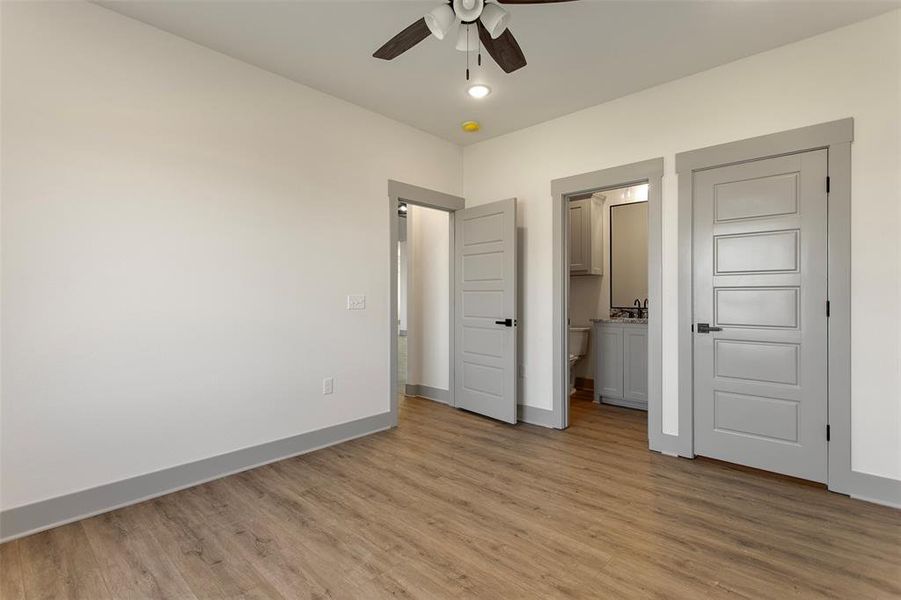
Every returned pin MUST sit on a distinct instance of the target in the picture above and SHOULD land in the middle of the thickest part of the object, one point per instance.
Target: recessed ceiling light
(479, 90)
(471, 126)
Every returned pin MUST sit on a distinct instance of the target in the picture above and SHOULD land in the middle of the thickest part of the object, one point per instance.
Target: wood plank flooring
(452, 505)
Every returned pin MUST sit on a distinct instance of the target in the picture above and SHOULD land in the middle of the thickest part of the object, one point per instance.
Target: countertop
(628, 320)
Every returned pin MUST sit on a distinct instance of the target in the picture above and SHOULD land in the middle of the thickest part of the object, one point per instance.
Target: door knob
(706, 328)
(505, 322)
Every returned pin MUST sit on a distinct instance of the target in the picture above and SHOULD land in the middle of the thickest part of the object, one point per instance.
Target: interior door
(760, 328)
(485, 309)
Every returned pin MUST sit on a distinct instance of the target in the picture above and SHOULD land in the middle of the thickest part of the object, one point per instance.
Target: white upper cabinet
(586, 237)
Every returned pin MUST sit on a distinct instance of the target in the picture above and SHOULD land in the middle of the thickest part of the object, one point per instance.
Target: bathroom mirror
(628, 254)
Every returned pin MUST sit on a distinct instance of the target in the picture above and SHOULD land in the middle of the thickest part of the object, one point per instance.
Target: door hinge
(828, 184)
(828, 309)
(828, 433)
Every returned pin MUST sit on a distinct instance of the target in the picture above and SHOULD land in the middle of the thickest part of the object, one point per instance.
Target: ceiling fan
(481, 23)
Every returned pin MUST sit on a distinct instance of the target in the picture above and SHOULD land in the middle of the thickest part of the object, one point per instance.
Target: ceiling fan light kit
(495, 19)
(467, 38)
(468, 10)
(482, 24)
(440, 20)
(479, 90)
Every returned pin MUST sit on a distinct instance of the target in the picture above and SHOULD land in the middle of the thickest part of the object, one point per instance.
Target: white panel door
(485, 309)
(760, 285)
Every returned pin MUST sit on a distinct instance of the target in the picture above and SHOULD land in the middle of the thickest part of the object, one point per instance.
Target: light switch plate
(356, 302)
(328, 385)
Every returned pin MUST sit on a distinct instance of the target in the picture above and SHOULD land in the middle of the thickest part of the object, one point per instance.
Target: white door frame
(836, 138)
(650, 172)
(418, 196)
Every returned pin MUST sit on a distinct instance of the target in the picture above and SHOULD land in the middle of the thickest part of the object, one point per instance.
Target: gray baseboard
(45, 514)
(625, 403)
(875, 489)
(427, 392)
(536, 416)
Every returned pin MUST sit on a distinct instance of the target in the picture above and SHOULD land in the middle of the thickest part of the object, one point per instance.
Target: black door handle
(505, 322)
(706, 328)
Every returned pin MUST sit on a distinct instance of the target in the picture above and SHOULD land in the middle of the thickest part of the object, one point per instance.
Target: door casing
(418, 196)
(650, 172)
(836, 138)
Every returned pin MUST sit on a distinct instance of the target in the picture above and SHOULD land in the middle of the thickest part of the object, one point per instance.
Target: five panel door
(485, 309)
(760, 396)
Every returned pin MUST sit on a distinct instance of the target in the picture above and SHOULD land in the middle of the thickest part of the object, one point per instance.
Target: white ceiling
(579, 53)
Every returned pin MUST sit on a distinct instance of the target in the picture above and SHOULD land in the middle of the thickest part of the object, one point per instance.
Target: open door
(485, 309)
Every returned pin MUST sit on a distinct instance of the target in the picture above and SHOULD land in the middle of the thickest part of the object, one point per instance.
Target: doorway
(424, 281)
(479, 291)
(608, 297)
(403, 285)
(404, 201)
(627, 184)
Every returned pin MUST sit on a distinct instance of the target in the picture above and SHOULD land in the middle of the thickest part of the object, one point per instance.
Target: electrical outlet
(356, 302)
(328, 386)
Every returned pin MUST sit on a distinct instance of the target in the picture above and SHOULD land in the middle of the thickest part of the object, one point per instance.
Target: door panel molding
(836, 137)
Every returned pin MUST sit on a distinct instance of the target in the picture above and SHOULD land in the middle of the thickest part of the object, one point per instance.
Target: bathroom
(608, 298)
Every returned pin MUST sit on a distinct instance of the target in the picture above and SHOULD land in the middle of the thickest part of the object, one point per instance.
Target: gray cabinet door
(485, 297)
(760, 274)
(609, 362)
(635, 364)
(579, 233)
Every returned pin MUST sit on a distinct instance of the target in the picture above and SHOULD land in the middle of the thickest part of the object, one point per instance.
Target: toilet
(578, 348)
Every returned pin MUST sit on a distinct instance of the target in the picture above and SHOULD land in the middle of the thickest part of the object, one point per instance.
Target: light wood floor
(451, 505)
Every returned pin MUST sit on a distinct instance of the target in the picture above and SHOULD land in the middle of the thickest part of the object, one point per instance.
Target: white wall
(850, 72)
(402, 286)
(402, 274)
(428, 301)
(179, 233)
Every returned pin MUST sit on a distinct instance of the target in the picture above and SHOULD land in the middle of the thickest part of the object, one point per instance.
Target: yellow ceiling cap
(471, 126)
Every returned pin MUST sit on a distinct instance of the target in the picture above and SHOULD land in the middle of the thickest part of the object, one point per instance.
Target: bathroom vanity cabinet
(621, 367)
(586, 237)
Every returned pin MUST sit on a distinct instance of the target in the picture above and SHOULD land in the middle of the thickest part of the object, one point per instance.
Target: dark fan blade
(532, 1)
(403, 41)
(504, 50)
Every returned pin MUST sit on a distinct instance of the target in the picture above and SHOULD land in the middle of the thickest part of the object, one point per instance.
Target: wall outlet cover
(356, 302)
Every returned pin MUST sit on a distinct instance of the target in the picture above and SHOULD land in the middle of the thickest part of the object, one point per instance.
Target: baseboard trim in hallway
(536, 416)
(45, 514)
(427, 392)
